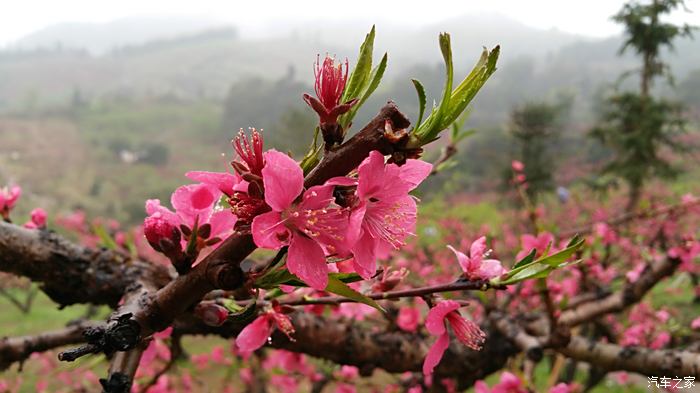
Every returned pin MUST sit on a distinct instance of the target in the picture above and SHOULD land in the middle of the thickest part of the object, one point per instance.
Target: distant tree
(293, 130)
(635, 126)
(535, 126)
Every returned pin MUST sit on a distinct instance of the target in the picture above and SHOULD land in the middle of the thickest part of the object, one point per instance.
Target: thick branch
(529, 344)
(645, 361)
(631, 293)
(70, 273)
(349, 342)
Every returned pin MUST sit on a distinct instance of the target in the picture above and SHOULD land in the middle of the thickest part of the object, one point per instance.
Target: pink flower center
(202, 198)
(250, 151)
(389, 221)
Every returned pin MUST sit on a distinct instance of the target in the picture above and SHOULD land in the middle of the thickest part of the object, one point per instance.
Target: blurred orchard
(334, 265)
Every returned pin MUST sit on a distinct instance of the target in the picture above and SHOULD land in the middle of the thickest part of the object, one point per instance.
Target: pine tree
(636, 126)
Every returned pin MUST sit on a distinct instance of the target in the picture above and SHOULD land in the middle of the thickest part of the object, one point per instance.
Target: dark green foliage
(637, 130)
(647, 35)
(635, 126)
(535, 127)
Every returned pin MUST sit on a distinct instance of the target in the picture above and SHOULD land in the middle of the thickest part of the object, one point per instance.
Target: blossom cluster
(361, 218)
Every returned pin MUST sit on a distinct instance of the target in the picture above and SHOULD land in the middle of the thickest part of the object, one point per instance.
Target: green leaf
(527, 269)
(558, 258)
(527, 259)
(340, 288)
(434, 123)
(274, 278)
(360, 74)
(463, 135)
(421, 99)
(574, 240)
(105, 239)
(374, 79)
(279, 277)
(466, 91)
(241, 315)
(454, 103)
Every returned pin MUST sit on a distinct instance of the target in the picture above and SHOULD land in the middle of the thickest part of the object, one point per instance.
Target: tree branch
(631, 293)
(18, 349)
(480, 285)
(645, 361)
(70, 273)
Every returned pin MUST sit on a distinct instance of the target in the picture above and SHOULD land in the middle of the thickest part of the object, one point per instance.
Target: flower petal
(269, 231)
(413, 172)
(255, 334)
(222, 223)
(435, 321)
(283, 179)
(478, 248)
(490, 268)
(224, 181)
(435, 353)
(194, 200)
(462, 259)
(317, 197)
(371, 175)
(364, 256)
(306, 261)
(466, 331)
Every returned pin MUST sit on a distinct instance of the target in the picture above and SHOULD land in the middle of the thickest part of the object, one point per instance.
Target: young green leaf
(359, 76)
(421, 99)
(105, 239)
(340, 288)
(374, 79)
(527, 259)
(527, 269)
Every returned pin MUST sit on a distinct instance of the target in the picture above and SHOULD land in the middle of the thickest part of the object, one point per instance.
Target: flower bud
(211, 313)
(159, 230)
(38, 219)
(517, 166)
(8, 199)
(390, 279)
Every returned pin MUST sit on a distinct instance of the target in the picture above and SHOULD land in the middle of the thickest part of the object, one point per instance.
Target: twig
(18, 349)
(626, 217)
(480, 285)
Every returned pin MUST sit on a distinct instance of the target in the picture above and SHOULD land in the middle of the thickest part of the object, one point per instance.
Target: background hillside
(137, 102)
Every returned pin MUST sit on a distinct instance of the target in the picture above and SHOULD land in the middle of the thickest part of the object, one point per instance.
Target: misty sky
(586, 17)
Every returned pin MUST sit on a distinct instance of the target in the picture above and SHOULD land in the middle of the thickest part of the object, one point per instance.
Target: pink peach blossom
(474, 266)
(408, 318)
(310, 228)
(256, 334)
(8, 199)
(466, 331)
(385, 214)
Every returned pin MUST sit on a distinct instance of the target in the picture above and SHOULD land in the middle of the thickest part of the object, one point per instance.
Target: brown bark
(352, 343)
(650, 362)
(631, 293)
(69, 273)
(18, 349)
